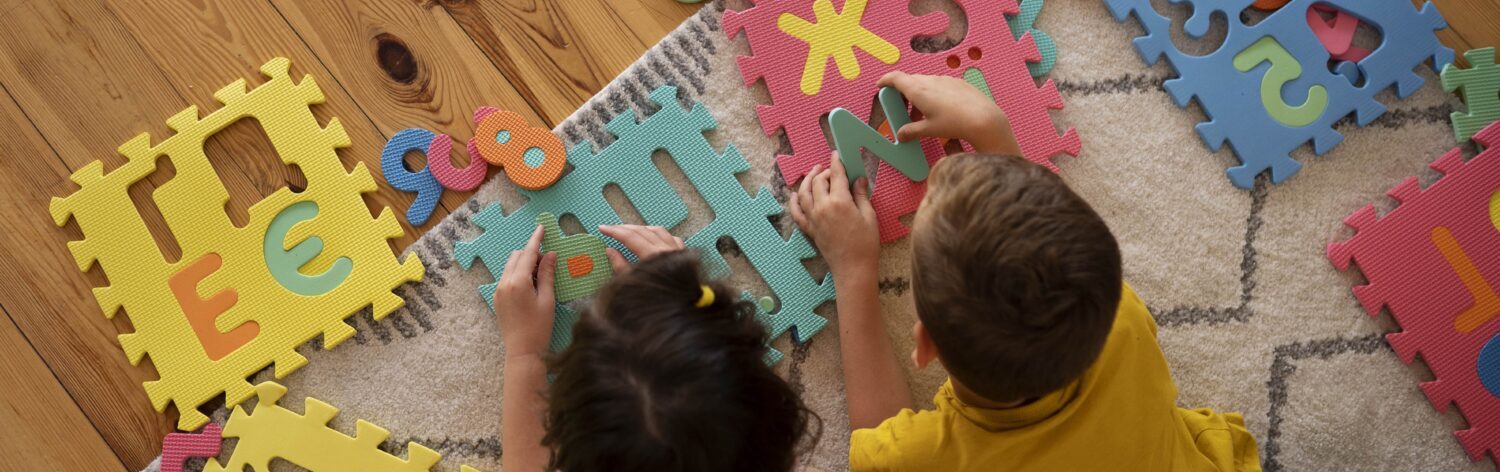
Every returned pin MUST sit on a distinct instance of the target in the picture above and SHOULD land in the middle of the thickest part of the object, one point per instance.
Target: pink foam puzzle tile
(988, 51)
(1434, 262)
(176, 448)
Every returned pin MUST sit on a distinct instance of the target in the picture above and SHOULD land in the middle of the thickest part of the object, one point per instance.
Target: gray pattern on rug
(1253, 317)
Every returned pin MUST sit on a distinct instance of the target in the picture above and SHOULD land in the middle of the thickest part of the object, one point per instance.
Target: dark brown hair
(1016, 278)
(653, 383)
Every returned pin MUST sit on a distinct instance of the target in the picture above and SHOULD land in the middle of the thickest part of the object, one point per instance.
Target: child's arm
(952, 108)
(842, 223)
(525, 312)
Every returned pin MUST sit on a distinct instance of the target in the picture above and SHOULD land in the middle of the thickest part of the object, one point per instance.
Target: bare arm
(525, 312)
(873, 382)
(842, 223)
(523, 406)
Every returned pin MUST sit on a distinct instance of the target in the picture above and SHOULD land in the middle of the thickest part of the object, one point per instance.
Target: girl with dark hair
(665, 372)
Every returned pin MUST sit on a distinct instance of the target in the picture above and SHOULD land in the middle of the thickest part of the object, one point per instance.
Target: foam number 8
(1284, 68)
(533, 158)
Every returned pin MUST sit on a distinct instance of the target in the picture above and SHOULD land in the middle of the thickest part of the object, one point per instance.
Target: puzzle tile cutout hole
(141, 195)
(1180, 10)
(249, 166)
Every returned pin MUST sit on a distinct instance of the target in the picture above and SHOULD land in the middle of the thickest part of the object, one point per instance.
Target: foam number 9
(533, 158)
(426, 186)
(1284, 68)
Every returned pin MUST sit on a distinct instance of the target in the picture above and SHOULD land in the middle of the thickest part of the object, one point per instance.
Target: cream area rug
(1253, 317)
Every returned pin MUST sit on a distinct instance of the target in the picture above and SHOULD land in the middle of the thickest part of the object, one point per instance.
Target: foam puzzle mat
(1434, 262)
(275, 432)
(864, 41)
(1284, 63)
(239, 298)
(627, 163)
(176, 448)
(1480, 87)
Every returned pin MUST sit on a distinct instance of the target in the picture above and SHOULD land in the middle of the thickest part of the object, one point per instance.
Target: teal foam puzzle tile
(627, 163)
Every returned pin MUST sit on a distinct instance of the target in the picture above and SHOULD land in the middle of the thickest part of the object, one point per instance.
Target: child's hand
(839, 220)
(526, 310)
(645, 241)
(953, 109)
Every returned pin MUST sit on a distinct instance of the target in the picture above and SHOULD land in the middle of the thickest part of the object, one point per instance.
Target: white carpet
(1254, 318)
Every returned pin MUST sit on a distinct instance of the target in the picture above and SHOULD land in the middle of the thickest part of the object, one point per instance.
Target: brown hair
(1016, 278)
(653, 383)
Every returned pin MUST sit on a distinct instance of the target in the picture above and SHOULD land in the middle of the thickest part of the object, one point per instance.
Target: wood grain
(1471, 24)
(557, 52)
(78, 78)
(201, 46)
(58, 434)
(408, 66)
(84, 86)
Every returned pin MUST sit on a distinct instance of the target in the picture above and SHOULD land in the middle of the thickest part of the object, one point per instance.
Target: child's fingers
(820, 184)
(632, 238)
(532, 252)
(640, 240)
(795, 207)
(915, 130)
(895, 79)
(839, 177)
(624, 234)
(616, 260)
(665, 239)
(611, 231)
(862, 198)
(805, 189)
(862, 191)
(544, 276)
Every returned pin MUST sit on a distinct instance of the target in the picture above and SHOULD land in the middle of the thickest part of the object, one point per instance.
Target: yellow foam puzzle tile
(326, 259)
(273, 432)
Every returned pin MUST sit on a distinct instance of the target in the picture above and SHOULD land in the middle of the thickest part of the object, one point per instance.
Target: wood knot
(395, 58)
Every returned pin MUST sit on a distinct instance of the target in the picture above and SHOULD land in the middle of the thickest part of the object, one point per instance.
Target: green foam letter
(1284, 68)
(850, 134)
(284, 263)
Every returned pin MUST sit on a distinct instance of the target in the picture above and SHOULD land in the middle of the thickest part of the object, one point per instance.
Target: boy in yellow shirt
(1052, 358)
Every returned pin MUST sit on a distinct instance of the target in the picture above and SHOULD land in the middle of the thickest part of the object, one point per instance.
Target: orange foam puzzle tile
(330, 261)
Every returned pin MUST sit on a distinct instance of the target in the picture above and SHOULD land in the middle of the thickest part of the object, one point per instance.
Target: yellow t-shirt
(1121, 415)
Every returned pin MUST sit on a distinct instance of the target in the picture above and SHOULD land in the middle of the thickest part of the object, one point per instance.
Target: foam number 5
(285, 264)
(422, 182)
(533, 158)
(1284, 68)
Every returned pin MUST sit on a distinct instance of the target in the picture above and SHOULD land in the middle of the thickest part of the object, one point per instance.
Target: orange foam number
(533, 158)
(1486, 302)
(202, 312)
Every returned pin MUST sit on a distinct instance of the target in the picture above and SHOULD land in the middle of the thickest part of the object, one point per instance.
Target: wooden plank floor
(78, 78)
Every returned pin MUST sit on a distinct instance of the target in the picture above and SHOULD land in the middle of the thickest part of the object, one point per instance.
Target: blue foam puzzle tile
(1232, 99)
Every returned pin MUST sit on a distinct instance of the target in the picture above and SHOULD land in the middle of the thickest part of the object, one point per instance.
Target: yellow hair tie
(707, 298)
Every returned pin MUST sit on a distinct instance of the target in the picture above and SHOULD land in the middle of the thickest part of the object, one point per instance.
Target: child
(1052, 359)
(666, 371)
